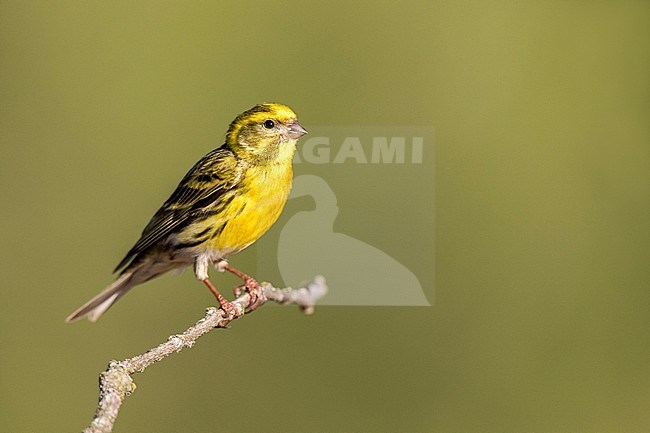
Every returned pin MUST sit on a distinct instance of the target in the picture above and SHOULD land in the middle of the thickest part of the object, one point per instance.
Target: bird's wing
(217, 172)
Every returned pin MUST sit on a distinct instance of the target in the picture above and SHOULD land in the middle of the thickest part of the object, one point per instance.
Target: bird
(224, 203)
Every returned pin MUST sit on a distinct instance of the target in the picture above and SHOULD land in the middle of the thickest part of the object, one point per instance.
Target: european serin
(227, 201)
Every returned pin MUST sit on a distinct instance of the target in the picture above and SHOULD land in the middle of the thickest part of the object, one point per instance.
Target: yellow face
(266, 132)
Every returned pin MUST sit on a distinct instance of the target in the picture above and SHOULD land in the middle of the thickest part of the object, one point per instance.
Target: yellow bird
(227, 201)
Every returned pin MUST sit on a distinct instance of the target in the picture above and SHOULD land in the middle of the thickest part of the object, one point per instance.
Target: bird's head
(266, 132)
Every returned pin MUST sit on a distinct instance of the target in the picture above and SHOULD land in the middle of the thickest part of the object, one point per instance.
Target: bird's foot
(254, 290)
(250, 285)
(228, 307)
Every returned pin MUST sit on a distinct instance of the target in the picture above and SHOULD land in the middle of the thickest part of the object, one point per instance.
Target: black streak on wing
(186, 204)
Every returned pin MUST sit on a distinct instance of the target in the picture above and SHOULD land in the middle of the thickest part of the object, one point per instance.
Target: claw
(253, 288)
(250, 285)
(239, 290)
(228, 307)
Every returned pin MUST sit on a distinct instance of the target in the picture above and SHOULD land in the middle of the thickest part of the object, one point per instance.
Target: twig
(116, 382)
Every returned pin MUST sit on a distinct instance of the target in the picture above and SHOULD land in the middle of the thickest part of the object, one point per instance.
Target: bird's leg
(201, 272)
(250, 285)
(226, 306)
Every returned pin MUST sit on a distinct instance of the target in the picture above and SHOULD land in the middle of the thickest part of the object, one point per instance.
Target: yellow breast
(255, 206)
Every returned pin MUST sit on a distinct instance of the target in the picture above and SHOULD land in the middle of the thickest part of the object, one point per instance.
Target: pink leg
(228, 307)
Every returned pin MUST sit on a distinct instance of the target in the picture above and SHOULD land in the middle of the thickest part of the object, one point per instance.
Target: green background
(541, 111)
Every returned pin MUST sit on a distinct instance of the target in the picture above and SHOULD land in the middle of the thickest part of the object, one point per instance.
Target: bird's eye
(269, 124)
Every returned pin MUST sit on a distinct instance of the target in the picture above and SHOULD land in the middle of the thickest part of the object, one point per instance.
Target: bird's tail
(102, 302)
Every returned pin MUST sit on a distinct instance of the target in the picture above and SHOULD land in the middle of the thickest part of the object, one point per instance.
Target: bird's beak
(295, 130)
